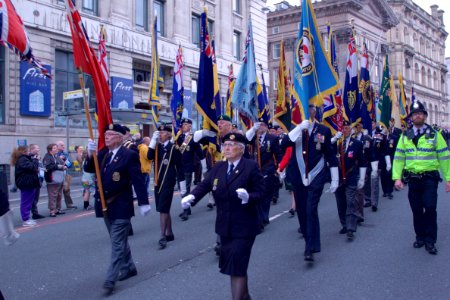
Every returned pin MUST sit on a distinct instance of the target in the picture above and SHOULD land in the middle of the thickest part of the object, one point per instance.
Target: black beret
(224, 118)
(126, 128)
(235, 137)
(117, 128)
(165, 127)
(263, 120)
(186, 120)
(276, 127)
(234, 125)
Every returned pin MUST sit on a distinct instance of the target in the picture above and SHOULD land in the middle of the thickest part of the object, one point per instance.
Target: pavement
(67, 257)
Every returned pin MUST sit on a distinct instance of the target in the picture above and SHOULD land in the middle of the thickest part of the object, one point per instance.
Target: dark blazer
(26, 173)
(233, 218)
(379, 150)
(393, 137)
(319, 145)
(270, 153)
(353, 160)
(51, 163)
(172, 163)
(189, 152)
(117, 179)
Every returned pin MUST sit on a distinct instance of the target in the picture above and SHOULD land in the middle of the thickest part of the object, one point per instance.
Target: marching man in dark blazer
(269, 156)
(237, 186)
(353, 179)
(120, 169)
(189, 150)
(308, 173)
(169, 168)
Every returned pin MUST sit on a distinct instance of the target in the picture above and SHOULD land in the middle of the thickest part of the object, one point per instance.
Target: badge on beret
(111, 126)
(232, 137)
(116, 176)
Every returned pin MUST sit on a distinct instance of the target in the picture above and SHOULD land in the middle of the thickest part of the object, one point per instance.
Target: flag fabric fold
(403, 106)
(217, 99)
(351, 102)
(244, 93)
(102, 54)
(365, 95)
(263, 102)
(156, 80)
(14, 35)
(385, 103)
(86, 61)
(229, 107)
(176, 104)
(314, 77)
(282, 113)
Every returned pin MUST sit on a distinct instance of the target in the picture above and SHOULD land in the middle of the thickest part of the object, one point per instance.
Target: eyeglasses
(229, 144)
(111, 134)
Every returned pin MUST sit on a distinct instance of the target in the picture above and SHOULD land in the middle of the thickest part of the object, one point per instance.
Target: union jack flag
(14, 36)
(102, 55)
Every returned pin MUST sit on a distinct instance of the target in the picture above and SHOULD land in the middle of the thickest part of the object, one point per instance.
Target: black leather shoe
(367, 204)
(184, 216)
(162, 243)
(170, 238)
(217, 249)
(127, 275)
(108, 287)
(384, 195)
(37, 216)
(59, 212)
(188, 211)
(418, 244)
(390, 196)
(374, 208)
(431, 248)
(292, 212)
(343, 230)
(210, 206)
(350, 235)
(360, 220)
(309, 256)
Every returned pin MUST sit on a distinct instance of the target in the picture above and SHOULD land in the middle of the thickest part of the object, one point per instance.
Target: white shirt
(416, 129)
(234, 165)
(114, 152)
(311, 127)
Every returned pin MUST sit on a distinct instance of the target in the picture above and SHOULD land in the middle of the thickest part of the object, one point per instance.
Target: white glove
(199, 134)
(145, 209)
(154, 140)
(336, 137)
(362, 177)
(204, 167)
(334, 179)
(186, 201)
(365, 132)
(282, 176)
(183, 187)
(374, 173)
(252, 131)
(387, 158)
(296, 133)
(91, 147)
(243, 195)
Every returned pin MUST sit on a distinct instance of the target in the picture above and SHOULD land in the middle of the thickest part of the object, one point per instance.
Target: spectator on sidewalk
(27, 180)
(34, 152)
(7, 231)
(144, 159)
(78, 162)
(54, 166)
(64, 156)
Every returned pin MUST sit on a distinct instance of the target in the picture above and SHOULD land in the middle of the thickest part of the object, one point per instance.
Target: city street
(66, 257)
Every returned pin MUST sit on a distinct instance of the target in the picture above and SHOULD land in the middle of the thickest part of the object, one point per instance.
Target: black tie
(230, 172)
(108, 159)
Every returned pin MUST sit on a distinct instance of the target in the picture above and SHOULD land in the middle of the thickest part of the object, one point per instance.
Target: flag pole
(91, 135)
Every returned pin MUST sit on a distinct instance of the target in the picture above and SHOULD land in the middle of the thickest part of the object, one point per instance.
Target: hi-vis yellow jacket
(430, 154)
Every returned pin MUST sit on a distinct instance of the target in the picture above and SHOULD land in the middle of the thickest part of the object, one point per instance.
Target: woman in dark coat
(27, 180)
(237, 186)
(53, 163)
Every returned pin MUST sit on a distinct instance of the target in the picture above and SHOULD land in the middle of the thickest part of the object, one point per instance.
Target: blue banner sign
(35, 91)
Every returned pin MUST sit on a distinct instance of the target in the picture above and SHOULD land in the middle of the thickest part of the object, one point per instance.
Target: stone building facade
(398, 28)
(128, 26)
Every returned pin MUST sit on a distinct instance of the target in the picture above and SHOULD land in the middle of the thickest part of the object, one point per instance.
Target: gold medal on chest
(116, 176)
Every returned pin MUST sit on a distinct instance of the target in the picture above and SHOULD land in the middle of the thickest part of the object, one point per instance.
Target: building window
(158, 8)
(90, 6)
(275, 29)
(196, 22)
(141, 14)
(141, 72)
(237, 6)
(237, 45)
(2, 85)
(276, 50)
(275, 80)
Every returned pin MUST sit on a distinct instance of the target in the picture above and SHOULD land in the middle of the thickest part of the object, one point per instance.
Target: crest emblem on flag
(304, 52)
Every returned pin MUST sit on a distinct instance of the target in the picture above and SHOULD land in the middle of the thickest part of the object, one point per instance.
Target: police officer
(307, 171)
(120, 170)
(189, 150)
(266, 151)
(420, 152)
(352, 178)
(168, 166)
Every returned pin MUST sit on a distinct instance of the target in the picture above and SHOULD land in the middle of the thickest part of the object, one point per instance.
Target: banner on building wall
(122, 92)
(35, 91)
(187, 104)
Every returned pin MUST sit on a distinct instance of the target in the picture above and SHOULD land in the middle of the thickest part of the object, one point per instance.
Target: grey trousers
(121, 260)
(347, 206)
(375, 182)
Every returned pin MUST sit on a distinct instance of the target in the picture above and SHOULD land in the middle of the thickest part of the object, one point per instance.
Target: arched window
(407, 71)
(422, 46)
(436, 115)
(417, 73)
(430, 114)
(435, 81)
(429, 79)
(406, 35)
(424, 76)
(428, 50)
(416, 42)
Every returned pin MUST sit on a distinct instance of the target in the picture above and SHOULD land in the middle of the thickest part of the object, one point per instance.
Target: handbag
(57, 176)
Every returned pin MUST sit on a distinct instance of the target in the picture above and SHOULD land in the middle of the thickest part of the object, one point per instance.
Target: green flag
(385, 103)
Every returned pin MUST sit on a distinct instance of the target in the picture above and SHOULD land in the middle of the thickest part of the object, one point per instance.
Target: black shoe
(184, 216)
(431, 248)
(170, 238)
(131, 232)
(390, 196)
(13, 190)
(210, 206)
(418, 244)
(217, 249)
(374, 208)
(37, 216)
(162, 243)
(360, 220)
(266, 222)
(350, 235)
(343, 230)
(127, 275)
(188, 211)
(309, 256)
(59, 212)
(108, 287)
(274, 201)
(292, 212)
(384, 195)
(72, 207)
(367, 204)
